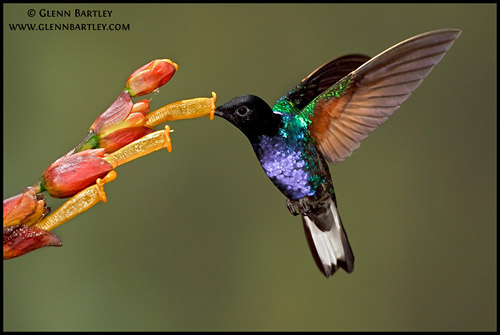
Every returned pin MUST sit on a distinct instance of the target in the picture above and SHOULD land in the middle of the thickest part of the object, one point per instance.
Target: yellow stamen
(81, 202)
(184, 109)
(143, 146)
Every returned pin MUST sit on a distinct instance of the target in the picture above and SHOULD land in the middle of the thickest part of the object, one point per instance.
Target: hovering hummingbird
(323, 119)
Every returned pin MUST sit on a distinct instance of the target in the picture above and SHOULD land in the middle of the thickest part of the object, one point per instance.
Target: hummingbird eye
(242, 111)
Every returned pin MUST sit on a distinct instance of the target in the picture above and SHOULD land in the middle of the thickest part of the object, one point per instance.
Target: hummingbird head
(251, 115)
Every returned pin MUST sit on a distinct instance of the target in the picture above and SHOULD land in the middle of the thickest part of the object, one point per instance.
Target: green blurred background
(199, 239)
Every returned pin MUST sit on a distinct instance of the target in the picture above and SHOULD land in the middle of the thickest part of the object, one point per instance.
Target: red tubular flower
(71, 174)
(150, 77)
(120, 138)
(122, 123)
(19, 240)
(27, 208)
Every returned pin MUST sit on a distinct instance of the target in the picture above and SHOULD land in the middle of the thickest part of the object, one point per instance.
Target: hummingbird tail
(328, 241)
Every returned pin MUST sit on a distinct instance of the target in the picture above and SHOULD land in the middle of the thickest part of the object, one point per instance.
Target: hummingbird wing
(322, 78)
(344, 114)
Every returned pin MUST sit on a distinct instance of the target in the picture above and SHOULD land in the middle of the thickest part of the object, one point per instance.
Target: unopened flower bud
(150, 77)
(71, 174)
(116, 113)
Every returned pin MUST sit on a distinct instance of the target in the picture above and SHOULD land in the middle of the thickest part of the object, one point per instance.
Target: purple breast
(285, 166)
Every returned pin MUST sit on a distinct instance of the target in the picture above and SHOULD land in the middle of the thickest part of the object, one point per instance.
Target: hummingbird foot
(301, 206)
(291, 207)
(304, 206)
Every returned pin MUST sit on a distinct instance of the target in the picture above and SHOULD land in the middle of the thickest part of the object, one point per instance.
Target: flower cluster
(122, 123)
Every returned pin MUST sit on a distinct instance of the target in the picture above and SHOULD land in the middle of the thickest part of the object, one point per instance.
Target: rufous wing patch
(325, 112)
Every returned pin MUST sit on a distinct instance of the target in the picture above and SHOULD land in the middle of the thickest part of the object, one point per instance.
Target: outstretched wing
(318, 81)
(344, 114)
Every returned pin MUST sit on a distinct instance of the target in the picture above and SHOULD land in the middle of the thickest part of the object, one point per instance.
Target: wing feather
(321, 79)
(344, 114)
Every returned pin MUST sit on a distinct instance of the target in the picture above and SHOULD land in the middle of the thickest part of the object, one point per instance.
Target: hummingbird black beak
(218, 112)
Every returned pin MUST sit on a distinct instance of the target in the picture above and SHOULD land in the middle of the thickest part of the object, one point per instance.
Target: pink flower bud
(71, 174)
(27, 208)
(150, 77)
(122, 123)
(120, 138)
(19, 240)
(116, 113)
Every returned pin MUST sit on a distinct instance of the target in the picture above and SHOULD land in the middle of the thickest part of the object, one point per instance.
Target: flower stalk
(122, 133)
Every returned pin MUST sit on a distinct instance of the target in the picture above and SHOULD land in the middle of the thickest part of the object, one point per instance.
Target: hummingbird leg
(301, 206)
(304, 206)
(310, 206)
(291, 207)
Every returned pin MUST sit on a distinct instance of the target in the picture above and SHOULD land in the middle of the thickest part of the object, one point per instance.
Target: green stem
(91, 141)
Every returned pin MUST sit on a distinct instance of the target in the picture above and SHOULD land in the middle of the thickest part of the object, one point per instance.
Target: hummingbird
(323, 120)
